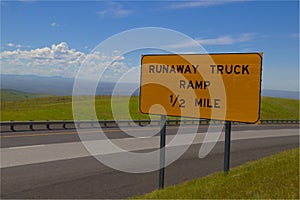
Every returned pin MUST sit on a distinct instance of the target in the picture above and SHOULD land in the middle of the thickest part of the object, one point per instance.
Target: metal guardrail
(279, 121)
(59, 125)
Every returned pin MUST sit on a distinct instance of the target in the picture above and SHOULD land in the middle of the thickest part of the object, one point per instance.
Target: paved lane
(85, 177)
(22, 155)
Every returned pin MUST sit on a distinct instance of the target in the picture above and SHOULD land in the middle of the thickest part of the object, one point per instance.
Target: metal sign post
(185, 82)
(162, 151)
(227, 146)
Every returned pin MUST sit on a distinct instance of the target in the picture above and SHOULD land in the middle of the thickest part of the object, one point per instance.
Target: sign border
(260, 81)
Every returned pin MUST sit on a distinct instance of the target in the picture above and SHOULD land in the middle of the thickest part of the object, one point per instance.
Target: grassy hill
(279, 108)
(274, 177)
(12, 95)
(60, 108)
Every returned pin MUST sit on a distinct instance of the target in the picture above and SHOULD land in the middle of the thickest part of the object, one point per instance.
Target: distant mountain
(281, 94)
(64, 86)
(38, 84)
(58, 85)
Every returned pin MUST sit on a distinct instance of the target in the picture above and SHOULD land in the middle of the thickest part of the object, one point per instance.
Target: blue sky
(31, 31)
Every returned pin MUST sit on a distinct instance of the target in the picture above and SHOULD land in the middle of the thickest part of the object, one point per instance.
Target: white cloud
(10, 44)
(58, 60)
(54, 24)
(14, 45)
(28, 1)
(295, 35)
(114, 10)
(222, 40)
(202, 3)
(226, 39)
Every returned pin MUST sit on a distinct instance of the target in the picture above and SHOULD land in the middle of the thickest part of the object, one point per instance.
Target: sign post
(227, 146)
(162, 151)
(209, 86)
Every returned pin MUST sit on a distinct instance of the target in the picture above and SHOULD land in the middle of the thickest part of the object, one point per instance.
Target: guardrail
(279, 121)
(59, 125)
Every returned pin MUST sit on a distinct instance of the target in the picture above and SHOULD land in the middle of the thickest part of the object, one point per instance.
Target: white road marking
(24, 147)
(22, 155)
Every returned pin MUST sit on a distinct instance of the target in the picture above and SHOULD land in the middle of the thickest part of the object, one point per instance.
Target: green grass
(274, 177)
(60, 108)
(279, 108)
(12, 95)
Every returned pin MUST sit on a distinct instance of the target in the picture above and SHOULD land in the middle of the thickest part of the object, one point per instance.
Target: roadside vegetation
(12, 95)
(274, 177)
(60, 108)
(19, 106)
(279, 108)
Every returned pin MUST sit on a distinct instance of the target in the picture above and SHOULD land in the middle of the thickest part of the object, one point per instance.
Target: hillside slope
(60, 108)
(279, 108)
(12, 95)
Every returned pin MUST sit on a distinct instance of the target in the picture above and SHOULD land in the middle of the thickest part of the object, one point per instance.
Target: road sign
(210, 86)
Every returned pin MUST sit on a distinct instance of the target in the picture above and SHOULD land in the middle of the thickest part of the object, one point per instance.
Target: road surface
(56, 165)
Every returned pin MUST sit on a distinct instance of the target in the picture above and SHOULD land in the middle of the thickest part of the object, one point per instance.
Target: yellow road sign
(209, 86)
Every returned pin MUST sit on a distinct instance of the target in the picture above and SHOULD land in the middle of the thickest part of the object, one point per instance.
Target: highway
(54, 164)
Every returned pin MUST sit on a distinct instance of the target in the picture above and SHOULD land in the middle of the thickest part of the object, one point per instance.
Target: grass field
(274, 177)
(11, 95)
(60, 108)
(279, 108)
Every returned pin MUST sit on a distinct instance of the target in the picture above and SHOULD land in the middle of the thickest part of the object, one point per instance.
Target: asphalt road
(85, 177)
